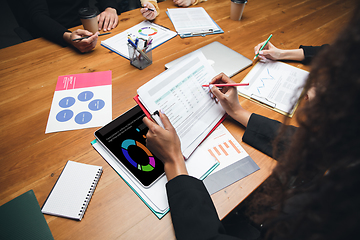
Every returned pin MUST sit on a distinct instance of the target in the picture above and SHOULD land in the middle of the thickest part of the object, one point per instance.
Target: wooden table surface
(31, 159)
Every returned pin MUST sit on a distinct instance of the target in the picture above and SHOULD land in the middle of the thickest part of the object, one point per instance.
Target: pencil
(102, 34)
(262, 47)
(227, 85)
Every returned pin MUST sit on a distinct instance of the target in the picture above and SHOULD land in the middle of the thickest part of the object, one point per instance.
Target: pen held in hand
(227, 85)
(262, 47)
(102, 34)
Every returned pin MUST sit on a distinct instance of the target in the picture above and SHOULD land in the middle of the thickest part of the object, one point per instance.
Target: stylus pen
(90, 36)
(262, 47)
(150, 9)
(227, 85)
(156, 117)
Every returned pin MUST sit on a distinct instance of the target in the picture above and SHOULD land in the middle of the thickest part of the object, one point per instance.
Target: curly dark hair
(317, 181)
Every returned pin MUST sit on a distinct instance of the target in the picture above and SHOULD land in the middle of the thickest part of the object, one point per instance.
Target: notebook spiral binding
(90, 193)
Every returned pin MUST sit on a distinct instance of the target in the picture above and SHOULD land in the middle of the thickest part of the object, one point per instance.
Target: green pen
(262, 47)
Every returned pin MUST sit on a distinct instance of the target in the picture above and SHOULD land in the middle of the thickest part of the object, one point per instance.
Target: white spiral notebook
(73, 190)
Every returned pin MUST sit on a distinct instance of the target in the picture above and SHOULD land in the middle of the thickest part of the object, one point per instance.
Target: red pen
(227, 85)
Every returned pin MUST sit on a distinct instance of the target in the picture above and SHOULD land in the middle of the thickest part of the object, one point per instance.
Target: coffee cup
(236, 9)
(88, 17)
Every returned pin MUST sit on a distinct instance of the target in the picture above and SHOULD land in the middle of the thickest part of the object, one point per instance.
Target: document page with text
(275, 84)
(178, 92)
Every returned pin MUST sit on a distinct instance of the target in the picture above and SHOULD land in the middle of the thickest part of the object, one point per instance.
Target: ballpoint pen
(102, 34)
(227, 84)
(262, 47)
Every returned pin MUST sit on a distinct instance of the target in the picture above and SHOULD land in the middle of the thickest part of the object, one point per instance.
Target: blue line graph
(263, 79)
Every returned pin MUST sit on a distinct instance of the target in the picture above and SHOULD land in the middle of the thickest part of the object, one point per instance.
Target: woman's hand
(84, 45)
(273, 53)
(148, 14)
(164, 143)
(229, 100)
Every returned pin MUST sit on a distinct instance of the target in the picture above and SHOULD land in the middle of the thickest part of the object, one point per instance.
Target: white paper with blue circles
(81, 101)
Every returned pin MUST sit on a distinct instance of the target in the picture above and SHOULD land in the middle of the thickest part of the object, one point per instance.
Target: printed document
(195, 21)
(275, 84)
(178, 92)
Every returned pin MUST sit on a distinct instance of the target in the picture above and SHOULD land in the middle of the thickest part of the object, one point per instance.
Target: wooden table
(31, 159)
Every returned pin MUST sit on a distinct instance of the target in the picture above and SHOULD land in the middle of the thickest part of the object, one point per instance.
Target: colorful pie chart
(130, 142)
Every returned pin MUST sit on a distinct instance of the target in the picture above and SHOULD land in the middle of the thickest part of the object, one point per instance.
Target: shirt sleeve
(103, 4)
(192, 211)
(261, 132)
(310, 52)
(45, 26)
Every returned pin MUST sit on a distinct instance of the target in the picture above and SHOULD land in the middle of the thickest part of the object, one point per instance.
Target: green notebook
(21, 218)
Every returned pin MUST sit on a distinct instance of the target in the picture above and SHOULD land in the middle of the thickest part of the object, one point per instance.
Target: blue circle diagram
(64, 115)
(83, 117)
(85, 96)
(96, 105)
(67, 102)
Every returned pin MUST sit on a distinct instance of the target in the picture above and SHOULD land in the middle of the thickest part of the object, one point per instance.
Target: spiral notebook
(73, 190)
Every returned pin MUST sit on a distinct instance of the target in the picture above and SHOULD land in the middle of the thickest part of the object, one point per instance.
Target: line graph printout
(189, 107)
(275, 84)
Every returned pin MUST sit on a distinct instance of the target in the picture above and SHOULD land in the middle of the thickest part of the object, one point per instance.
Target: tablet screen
(124, 138)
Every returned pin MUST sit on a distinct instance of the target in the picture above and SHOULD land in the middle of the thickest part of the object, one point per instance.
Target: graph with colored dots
(81, 101)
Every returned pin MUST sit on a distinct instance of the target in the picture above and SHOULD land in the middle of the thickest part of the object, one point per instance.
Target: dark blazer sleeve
(43, 24)
(192, 211)
(261, 132)
(310, 52)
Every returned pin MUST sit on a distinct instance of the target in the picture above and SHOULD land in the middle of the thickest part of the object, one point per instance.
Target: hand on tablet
(164, 143)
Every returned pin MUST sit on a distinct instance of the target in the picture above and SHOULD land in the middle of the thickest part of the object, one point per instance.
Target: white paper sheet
(178, 92)
(274, 83)
(145, 30)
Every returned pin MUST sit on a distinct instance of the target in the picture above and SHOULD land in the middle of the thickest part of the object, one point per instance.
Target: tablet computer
(125, 139)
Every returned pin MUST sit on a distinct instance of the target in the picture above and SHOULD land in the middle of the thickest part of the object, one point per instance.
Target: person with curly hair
(313, 192)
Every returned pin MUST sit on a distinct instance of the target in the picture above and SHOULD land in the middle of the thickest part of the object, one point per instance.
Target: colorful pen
(262, 47)
(139, 50)
(102, 34)
(227, 85)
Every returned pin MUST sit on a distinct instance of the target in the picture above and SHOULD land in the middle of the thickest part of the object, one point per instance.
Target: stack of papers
(178, 92)
(190, 22)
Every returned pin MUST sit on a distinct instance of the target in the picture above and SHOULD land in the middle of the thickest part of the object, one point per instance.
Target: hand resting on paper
(273, 53)
(165, 144)
(84, 45)
(229, 99)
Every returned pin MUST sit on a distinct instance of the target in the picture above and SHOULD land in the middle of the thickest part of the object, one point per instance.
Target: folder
(202, 26)
(21, 218)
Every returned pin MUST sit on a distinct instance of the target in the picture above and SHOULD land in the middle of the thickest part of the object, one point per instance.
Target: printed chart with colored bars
(224, 148)
(81, 101)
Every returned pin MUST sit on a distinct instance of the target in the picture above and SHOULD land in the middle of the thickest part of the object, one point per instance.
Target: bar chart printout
(224, 148)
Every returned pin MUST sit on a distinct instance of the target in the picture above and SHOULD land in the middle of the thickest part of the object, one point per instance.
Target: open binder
(191, 22)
